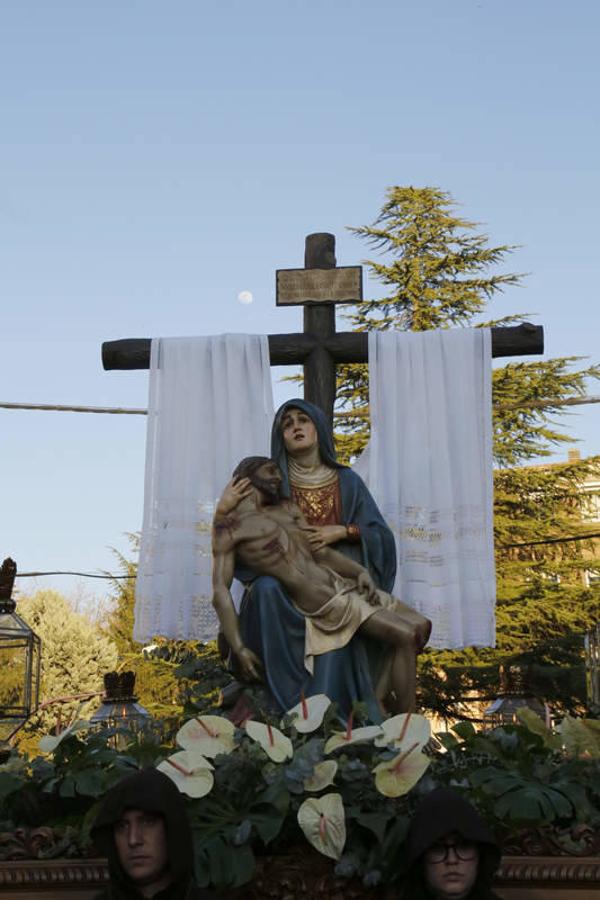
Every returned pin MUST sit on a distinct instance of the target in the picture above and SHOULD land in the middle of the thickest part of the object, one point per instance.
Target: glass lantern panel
(592, 664)
(14, 670)
(9, 725)
(12, 626)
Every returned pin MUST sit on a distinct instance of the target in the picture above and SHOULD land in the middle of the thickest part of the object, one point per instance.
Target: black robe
(151, 791)
(440, 813)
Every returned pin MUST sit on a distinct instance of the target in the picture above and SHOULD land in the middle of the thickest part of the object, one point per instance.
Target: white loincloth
(339, 618)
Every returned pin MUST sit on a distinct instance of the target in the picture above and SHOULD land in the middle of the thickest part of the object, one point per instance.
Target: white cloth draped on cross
(428, 465)
(210, 405)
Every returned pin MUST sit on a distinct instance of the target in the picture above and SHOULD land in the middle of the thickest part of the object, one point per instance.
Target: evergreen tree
(439, 274)
(167, 671)
(75, 656)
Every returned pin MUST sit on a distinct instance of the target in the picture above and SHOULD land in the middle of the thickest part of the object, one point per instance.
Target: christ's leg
(420, 624)
(387, 626)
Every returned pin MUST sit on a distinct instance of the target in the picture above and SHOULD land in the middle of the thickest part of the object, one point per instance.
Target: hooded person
(341, 513)
(143, 829)
(451, 852)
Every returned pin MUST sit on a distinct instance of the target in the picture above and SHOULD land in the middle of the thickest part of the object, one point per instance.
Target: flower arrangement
(272, 788)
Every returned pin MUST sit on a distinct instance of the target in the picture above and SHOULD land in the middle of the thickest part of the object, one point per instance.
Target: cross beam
(319, 348)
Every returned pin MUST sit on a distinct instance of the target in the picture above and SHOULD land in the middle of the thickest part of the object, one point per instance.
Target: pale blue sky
(158, 158)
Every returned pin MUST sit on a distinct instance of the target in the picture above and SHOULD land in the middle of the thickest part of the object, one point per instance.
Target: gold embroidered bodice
(319, 505)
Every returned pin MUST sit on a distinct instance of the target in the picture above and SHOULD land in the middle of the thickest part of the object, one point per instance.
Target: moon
(245, 297)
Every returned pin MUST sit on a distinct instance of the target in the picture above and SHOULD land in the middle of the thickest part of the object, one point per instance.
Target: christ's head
(263, 474)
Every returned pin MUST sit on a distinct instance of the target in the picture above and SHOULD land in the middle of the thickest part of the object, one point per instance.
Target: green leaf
(9, 784)
(90, 782)
(223, 866)
(533, 803)
(447, 740)
(67, 787)
(464, 730)
(376, 822)
(537, 726)
(268, 822)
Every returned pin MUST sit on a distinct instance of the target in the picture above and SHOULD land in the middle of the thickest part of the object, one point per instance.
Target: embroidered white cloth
(210, 405)
(429, 467)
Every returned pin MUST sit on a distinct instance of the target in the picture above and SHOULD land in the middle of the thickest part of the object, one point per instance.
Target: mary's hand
(235, 491)
(320, 536)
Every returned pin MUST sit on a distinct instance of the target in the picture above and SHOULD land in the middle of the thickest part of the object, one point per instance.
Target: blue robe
(273, 628)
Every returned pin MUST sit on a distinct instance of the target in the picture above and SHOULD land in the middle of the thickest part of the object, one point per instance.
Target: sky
(157, 159)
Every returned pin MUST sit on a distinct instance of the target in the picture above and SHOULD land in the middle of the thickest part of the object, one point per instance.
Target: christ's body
(271, 537)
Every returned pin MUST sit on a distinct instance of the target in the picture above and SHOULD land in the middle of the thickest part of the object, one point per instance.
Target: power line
(363, 413)
(81, 574)
(555, 540)
(56, 407)
(357, 413)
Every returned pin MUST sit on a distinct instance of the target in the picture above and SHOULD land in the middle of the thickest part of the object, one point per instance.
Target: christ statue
(270, 536)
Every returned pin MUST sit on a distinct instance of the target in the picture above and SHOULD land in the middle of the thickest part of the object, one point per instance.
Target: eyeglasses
(463, 850)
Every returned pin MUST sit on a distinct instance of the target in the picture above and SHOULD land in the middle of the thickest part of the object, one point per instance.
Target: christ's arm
(335, 560)
(348, 568)
(223, 565)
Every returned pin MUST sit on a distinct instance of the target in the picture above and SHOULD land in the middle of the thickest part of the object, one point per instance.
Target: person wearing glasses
(451, 852)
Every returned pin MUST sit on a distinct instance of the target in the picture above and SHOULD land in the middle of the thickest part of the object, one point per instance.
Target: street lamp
(119, 708)
(592, 665)
(20, 657)
(514, 695)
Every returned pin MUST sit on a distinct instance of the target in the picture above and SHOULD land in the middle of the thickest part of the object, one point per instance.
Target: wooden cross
(319, 348)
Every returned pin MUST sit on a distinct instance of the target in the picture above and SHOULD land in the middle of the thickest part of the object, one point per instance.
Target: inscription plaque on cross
(320, 348)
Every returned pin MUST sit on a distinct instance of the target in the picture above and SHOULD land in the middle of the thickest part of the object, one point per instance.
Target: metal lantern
(20, 656)
(592, 665)
(514, 695)
(119, 708)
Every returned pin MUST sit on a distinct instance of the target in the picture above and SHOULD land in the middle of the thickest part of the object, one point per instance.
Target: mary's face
(298, 430)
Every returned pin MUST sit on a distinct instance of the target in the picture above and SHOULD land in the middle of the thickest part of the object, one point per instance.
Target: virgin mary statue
(341, 512)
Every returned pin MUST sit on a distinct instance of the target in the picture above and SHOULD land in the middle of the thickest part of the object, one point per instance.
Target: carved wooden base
(52, 879)
(306, 877)
(538, 877)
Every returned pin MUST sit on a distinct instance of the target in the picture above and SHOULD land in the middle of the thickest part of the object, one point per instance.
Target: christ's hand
(250, 664)
(235, 491)
(366, 585)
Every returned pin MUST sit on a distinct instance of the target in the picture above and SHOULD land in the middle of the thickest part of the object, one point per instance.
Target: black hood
(441, 812)
(151, 791)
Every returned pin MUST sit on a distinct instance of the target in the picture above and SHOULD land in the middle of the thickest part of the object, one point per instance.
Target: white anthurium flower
(322, 776)
(276, 745)
(190, 771)
(403, 731)
(351, 736)
(208, 735)
(323, 822)
(308, 714)
(50, 742)
(397, 776)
